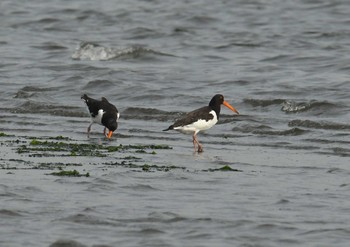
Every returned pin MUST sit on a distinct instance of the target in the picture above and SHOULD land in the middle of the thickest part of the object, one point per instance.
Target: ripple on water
(47, 108)
(88, 219)
(268, 131)
(326, 125)
(96, 84)
(141, 187)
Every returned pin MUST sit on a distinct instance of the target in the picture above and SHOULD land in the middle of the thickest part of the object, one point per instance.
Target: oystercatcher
(103, 113)
(201, 119)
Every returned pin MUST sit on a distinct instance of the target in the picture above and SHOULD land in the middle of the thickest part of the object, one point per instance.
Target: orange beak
(230, 107)
(110, 134)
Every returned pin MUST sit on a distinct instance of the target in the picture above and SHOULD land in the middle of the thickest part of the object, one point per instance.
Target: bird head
(218, 99)
(111, 125)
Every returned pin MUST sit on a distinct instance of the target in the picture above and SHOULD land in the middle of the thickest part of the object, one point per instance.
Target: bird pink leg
(195, 140)
(88, 130)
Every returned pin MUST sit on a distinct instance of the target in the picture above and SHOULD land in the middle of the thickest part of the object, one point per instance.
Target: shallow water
(284, 66)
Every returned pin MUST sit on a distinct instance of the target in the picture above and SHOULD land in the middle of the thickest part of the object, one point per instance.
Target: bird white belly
(199, 125)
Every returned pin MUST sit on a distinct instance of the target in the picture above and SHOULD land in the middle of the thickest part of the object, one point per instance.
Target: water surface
(283, 65)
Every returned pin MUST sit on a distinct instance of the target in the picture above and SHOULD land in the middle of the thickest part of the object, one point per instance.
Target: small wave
(148, 113)
(247, 128)
(268, 131)
(318, 125)
(290, 106)
(141, 187)
(202, 19)
(92, 51)
(151, 231)
(249, 44)
(283, 201)
(165, 217)
(263, 102)
(36, 89)
(88, 219)
(143, 111)
(294, 107)
(50, 46)
(55, 110)
(277, 58)
(30, 91)
(66, 243)
(232, 82)
(344, 152)
(139, 33)
(10, 213)
(98, 84)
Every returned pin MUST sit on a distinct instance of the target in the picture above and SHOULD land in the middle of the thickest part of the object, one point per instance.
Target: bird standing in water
(102, 112)
(201, 119)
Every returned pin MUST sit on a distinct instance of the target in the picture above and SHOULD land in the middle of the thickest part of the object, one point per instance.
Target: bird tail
(171, 127)
(84, 97)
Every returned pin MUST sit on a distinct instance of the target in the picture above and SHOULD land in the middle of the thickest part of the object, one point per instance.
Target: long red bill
(230, 107)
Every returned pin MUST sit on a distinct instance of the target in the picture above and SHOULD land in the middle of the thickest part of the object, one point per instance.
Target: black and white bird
(102, 112)
(201, 119)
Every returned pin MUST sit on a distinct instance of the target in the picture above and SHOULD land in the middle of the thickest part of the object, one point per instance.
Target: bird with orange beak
(102, 112)
(201, 119)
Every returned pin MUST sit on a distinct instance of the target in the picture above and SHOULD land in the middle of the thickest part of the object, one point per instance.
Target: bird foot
(195, 141)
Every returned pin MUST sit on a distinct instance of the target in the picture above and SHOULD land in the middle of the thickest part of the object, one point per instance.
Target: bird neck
(216, 108)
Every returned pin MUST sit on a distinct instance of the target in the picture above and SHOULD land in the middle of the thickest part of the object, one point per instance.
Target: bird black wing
(93, 105)
(106, 106)
(202, 113)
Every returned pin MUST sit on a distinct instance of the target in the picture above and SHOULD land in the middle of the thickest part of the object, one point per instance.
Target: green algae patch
(51, 166)
(62, 146)
(115, 148)
(138, 148)
(145, 167)
(35, 142)
(225, 168)
(141, 149)
(60, 138)
(159, 146)
(73, 173)
(46, 152)
(2, 134)
(71, 149)
(149, 168)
